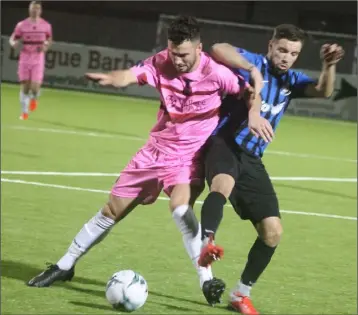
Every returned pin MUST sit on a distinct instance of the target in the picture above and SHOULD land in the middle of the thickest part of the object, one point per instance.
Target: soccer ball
(127, 290)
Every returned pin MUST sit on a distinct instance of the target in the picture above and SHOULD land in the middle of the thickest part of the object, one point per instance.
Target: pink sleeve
(49, 31)
(18, 32)
(231, 83)
(146, 72)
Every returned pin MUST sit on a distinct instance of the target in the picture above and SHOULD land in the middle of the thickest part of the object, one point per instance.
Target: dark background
(133, 24)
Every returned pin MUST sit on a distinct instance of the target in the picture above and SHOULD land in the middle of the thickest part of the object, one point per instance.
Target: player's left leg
(23, 73)
(37, 74)
(184, 184)
(221, 170)
(254, 199)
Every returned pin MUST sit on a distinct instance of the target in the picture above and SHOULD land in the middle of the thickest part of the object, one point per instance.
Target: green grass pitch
(314, 270)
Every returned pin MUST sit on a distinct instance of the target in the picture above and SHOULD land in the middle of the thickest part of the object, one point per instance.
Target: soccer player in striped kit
(233, 163)
(36, 36)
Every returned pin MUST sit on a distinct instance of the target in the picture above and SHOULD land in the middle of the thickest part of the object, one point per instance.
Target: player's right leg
(91, 234)
(24, 78)
(37, 75)
(220, 171)
(254, 199)
(136, 184)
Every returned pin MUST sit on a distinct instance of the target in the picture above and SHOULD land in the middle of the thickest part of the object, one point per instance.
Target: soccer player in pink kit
(36, 36)
(191, 85)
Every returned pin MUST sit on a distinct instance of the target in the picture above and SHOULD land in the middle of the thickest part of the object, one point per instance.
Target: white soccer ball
(127, 290)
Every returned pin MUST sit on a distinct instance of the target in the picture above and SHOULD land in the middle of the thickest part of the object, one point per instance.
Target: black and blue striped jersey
(278, 91)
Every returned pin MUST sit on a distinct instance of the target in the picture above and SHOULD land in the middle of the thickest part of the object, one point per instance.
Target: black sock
(212, 213)
(259, 257)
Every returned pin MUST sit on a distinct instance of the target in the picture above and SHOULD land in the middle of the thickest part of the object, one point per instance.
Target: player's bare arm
(13, 42)
(330, 56)
(47, 44)
(118, 78)
(227, 55)
(258, 125)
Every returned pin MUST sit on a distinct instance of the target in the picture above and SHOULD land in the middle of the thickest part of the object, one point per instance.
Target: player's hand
(257, 81)
(331, 54)
(260, 127)
(101, 78)
(44, 47)
(14, 44)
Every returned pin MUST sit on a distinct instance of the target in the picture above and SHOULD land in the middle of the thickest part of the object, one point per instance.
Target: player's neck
(34, 20)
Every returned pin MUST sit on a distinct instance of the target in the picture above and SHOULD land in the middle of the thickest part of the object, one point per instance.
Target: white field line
(134, 138)
(87, 174)
(18, 181)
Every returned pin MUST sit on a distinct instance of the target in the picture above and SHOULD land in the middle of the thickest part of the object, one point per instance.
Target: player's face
(283, 53)
(185, 55)
(35, 10)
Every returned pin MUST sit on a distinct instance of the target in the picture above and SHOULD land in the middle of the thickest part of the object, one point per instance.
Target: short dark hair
(183, 28)
(36, 2)
(289, 32)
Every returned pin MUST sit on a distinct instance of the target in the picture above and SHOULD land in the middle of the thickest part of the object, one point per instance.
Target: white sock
(192, 243)
(91, 233)
(243, 289)
(24, 101)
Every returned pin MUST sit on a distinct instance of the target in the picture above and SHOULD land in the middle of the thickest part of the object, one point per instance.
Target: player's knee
(35, 88)
(109, 211)
(25, 87)
(114, 209)
(223, 184)
(179, 196)
(271, 231)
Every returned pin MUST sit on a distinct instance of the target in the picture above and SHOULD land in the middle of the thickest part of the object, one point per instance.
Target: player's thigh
(184, 183)
(24, 74)
(221, 165)
(139, 179)
(253, 196)
(37, 75)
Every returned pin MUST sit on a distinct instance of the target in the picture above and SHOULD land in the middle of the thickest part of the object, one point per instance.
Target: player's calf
(93, 232)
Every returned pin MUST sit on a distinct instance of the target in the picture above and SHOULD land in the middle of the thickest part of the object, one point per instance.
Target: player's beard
(275, 69)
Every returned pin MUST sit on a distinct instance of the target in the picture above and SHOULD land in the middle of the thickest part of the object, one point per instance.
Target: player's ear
(200, 47)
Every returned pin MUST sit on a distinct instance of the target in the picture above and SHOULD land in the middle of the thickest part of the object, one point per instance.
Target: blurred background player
(36, 36)
(191, 85)
(234, 168)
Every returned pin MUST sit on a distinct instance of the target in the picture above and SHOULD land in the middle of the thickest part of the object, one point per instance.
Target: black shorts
(253, 196)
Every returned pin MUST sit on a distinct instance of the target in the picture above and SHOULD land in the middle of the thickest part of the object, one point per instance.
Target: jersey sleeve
(299, 84)
(230, 83)
(49, 31)
(18, 31)
(249, 56)
(146, 72)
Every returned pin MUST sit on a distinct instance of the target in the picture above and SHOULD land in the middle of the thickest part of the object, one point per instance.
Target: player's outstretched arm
(229, 56)
(330, 56)
(118, 78)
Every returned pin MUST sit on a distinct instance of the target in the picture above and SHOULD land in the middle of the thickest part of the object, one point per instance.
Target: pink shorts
(150, 171)
(31, 72)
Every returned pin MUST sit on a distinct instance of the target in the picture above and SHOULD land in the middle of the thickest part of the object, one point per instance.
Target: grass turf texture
(312, 272)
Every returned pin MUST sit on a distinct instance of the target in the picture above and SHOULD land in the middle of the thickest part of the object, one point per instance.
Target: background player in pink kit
(36, 36)
(191, 85)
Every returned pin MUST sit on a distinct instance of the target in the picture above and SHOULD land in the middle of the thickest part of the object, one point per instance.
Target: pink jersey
(190, 102)
(33, 35)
